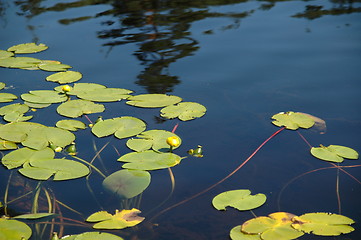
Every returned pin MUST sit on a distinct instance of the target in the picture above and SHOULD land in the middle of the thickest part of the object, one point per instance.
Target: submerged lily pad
(44, 96)
(293, 120)
(65, 77)
(71, 125)
(7, 97)
(275, 226)
(121, 127)
(334, 153)
(14, 229)
(153, 100)
(149, 160)
(239, 199)
(120, 220)
(28, 48)
(155, 139)
(127, 183)
(105, 94)
(61, 169)
(184, 111)
(323, 224)
(24, 155)
(76, 108)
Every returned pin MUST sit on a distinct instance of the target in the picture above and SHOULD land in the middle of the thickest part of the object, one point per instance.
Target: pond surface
(245, 61)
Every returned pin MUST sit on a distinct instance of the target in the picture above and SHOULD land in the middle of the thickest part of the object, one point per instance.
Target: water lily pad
(153, 100)
(127, 183)
(28, 48)
(7, 145)
(76, 108)
(323, 224)
(17, 131)
(239, 199)
(237, 234)
(65, 77)
(293, 120)
(24, 155)
(44, 96)
(33, 215)
(334, 153)
(121, 127)
(275, 226)
(184, 111)
(120, 220)
(105, 94)
(7, 97)
(20, 62)
(155, 139)
(149, 160)
(61, 169)
(53, 66)
(2, 85)
(37, 105)
(5, 54)
(92, 236)
(80, 88)
(15, 112)
(71, 125)
(14, 229)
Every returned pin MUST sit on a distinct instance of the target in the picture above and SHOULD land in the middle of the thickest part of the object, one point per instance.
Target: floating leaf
(276, 226)
(14, 229)
(293, 120)
(14, 112)
(62, 169)
(71, 125)
(53, 66)
(76, 108)
(2, 85)
(120, 220)
(17, 132)
(239, 199)
(127, 183)
(7, 97)
(7, 145)
(237, 234)
(121, 127)
(184, 111)
(28, 48)
(92, 236)
(80, 88)
(153, 100)
(105, 94)
(334, 153)
(22, 156)
(37, 105)
(155, 139)
(34, 215)
(149, 160)
(324, 224)
(20, 62)
(65, 77)
(5, 54)
(44, 96)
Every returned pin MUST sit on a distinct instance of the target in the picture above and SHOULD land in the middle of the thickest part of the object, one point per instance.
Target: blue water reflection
(243, 60)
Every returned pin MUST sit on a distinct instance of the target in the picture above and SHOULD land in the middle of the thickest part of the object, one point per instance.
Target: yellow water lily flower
(173, 141)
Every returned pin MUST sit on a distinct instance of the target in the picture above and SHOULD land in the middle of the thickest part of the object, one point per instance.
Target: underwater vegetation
(48, 153)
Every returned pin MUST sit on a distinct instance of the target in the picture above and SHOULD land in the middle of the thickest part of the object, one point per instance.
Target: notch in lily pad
(334, 153)
(292, 120)
(240, 199)
(184, 111)
(153, 100)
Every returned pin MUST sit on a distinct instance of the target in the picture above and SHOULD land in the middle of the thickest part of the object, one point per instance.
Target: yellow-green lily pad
(5, 54)
(153, 100)
(28, 48)
(76, 108)
(65, 77)
(24, 155)
(237, 234)
(7, 97)
(20, 62)
(53, 66)
(105, 94)
(334, 153)
(292, 120)
(44, 96)
(240, 199)
(71, 125)
(14, 229)
(185, 111)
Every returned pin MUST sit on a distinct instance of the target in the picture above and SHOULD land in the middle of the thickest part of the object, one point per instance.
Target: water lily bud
(173, 141)
(66, 88)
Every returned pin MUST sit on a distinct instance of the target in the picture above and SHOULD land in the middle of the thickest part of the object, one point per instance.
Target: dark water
(245, 61)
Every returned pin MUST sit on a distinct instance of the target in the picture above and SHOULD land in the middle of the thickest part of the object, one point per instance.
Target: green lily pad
(37, 105)
(149, 160)
(2, 85)
(61, 169)
(44, 96)
(5, 54)
(153, 100)
(7, 97)
(155, 139)
(127, 183)
(24, 155)
(237, 234)
(76, 108)
(65, 77)
(53, 66)
(17, 131)
(15, 112)
(293, 120)
(323, 224)
(20, 62)
(80, 88)
(120, 220)
(239, 199)
(28, 48)
(275, 226)
(334, 153)
(71, 125)
(105, 94)
(121, 127)
(185, 111)
(92, 236)
(14, 229)
(33, 215)
(7, 145)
